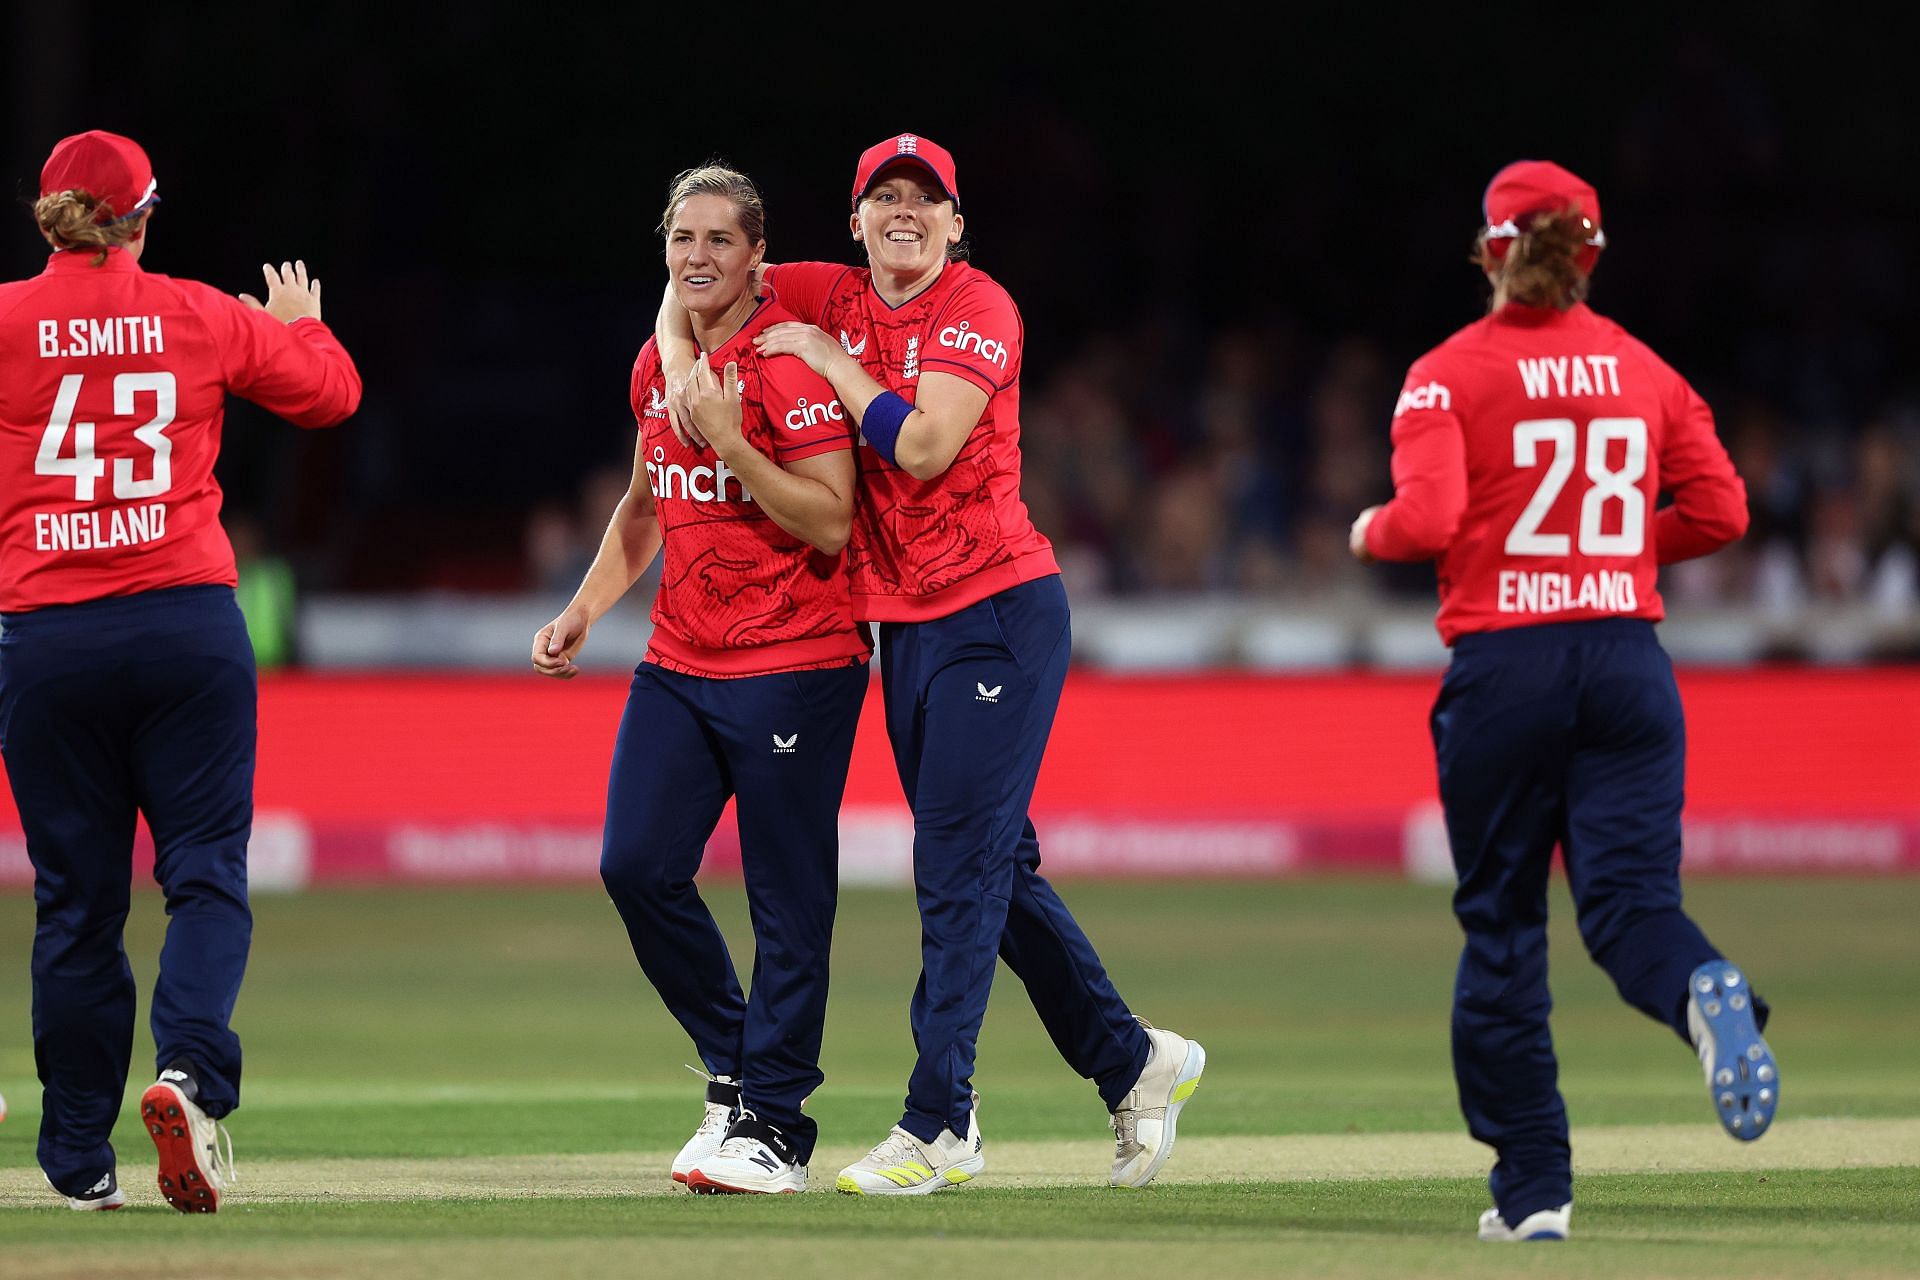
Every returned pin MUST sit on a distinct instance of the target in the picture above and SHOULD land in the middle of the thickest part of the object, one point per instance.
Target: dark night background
(1180, 208)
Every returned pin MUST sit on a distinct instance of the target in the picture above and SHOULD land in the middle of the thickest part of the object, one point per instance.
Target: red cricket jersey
(1529, 450)
(111, 406)
(926, 549)
(739, 595)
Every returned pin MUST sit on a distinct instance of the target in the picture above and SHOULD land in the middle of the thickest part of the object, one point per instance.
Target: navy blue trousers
(136, 704)
(1566, 734)
(779, 745)
(970, 701)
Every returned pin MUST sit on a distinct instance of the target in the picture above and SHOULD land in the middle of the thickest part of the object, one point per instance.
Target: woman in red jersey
(1529, 450)
(925, 351)
(126, 678)
(751, 689)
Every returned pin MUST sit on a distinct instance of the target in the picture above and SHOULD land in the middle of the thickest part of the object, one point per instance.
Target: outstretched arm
(280, 355)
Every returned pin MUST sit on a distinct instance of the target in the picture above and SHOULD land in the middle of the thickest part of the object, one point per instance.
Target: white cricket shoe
(1547, 1224)
(1742, 1079)
(723, 1105)
(756, 1159)
(195, 1167)
(903, 1165)
(104, 1194)
(1143, 1123)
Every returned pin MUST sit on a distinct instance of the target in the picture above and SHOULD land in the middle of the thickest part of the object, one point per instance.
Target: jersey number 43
(83, 466)
(1607, 483)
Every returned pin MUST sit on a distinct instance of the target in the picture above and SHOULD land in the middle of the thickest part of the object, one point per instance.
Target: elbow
(915, 455)
(1721, 528)
(920, 465)
(1729, 516)
(833, 538)
(332, 410)
(1737, 521)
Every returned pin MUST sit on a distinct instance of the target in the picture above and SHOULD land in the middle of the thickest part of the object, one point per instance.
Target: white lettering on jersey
(960, 338)
(103, 336)
(656, 403)
(1605, 591)
(1431, 396)
(701, 484)
(1563, 376)
(804, 415)
(99, 530)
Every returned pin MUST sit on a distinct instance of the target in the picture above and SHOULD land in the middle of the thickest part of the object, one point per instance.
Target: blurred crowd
(1238, 472)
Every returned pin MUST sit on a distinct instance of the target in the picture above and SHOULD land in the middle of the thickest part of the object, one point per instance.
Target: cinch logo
(1431, 396)
(851, 347)
(785, 746)
(656, 403)
(984, 694)
(806, 415)
(958, 337)
(702, 484)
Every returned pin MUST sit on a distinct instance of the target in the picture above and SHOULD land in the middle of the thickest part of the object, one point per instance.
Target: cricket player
(126, 677)
(925, 351)
(751, 689)
(1529, 452)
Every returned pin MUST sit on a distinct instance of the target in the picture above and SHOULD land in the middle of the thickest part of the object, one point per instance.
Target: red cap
(110, 168)
(909, 148)
(1528, 187)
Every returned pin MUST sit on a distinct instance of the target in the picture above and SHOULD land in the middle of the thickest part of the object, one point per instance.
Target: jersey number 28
(82, 465)
(1608, 484)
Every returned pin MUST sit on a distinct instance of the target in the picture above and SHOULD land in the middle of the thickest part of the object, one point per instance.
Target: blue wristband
(880, 425)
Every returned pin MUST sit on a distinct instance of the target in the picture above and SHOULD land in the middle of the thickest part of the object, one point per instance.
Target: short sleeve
(804, 411)
(978, 336)
(804, 287)
(643, 391)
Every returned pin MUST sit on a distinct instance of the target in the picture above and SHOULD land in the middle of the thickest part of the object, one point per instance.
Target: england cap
(110, 168)
(1527, 188)
(907, 148)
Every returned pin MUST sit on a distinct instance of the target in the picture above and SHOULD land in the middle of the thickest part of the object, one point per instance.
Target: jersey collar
(1530, 317)
(947, 276)
(73, 261)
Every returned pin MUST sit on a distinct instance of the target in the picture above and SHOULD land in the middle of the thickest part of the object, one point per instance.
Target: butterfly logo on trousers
(984, 694)
(785, 746)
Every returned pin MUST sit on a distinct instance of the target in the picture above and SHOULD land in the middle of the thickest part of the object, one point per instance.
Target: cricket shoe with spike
(1144, 1122)
(1742, 1079)
(723, 1107)
(104, 1194)
(1546, 1224)
(196, 1155)
(756, 1159)
(902, 1165)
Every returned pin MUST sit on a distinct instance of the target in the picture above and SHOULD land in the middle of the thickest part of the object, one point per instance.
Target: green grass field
(479, 1083)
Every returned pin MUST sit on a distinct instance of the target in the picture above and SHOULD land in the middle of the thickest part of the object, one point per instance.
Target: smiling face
(907, 224)
(709, 257)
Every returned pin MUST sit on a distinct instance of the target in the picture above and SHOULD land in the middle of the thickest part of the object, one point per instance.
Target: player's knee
(633, 875)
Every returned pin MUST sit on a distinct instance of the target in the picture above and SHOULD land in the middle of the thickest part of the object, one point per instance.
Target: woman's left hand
(713, 401)
(792, 338)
